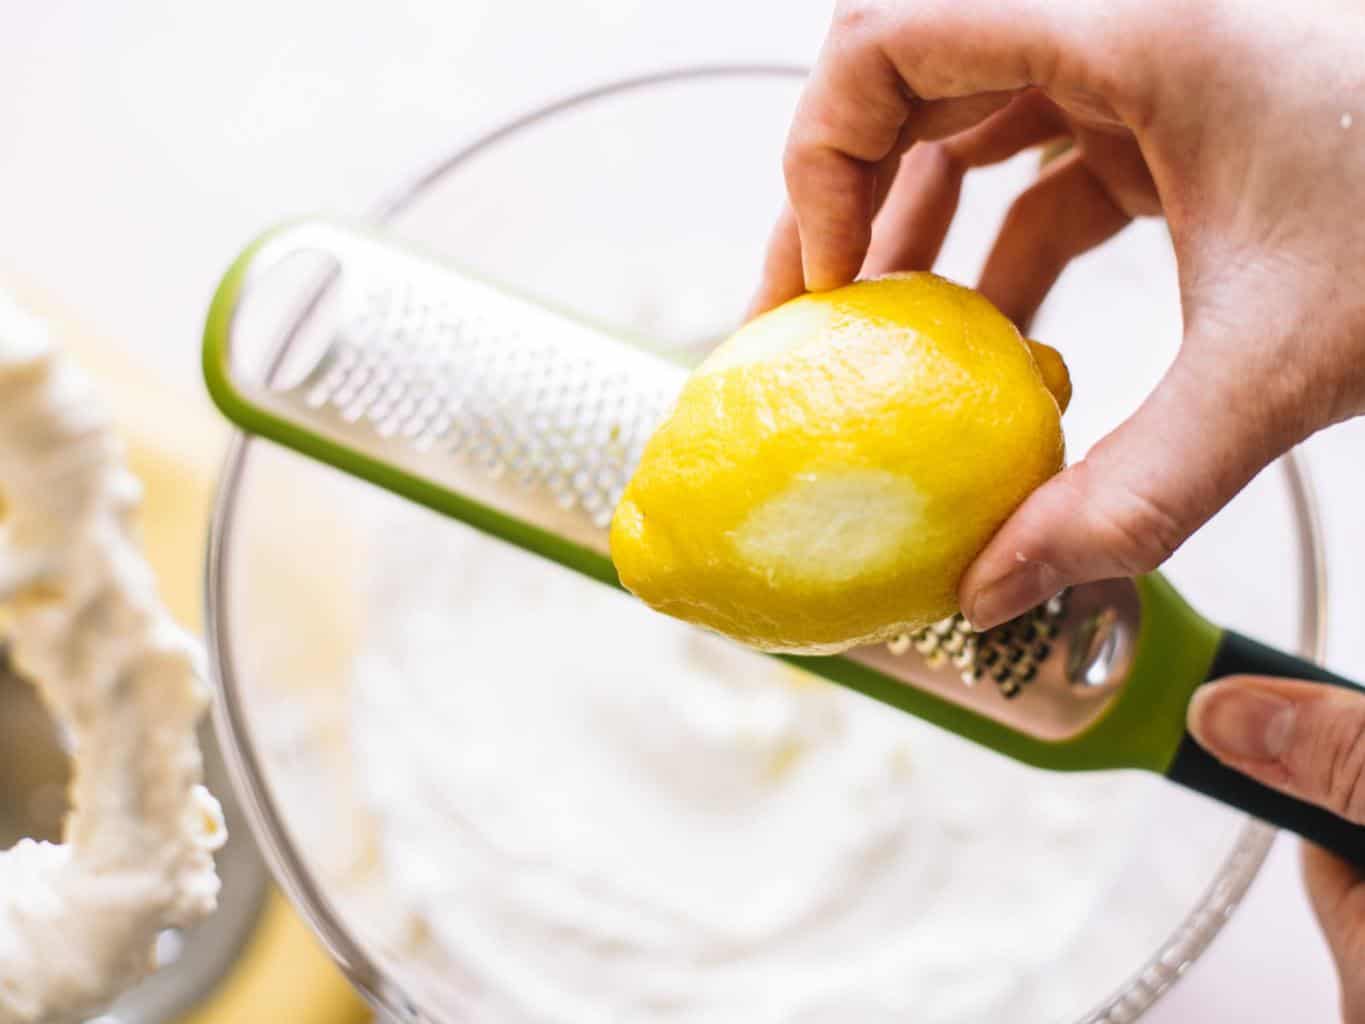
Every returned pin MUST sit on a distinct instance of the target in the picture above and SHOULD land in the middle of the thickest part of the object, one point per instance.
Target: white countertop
(142, 142)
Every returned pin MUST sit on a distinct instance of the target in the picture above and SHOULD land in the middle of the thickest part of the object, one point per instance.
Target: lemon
(831, 470)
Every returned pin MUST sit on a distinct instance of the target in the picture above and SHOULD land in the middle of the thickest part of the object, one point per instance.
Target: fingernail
(1024, 586)
(1239, 723)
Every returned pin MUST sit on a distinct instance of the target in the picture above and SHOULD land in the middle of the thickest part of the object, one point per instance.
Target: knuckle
(1137, 530)
(805, 164)
(1102, 67)
(806, 168)
(1149, 533)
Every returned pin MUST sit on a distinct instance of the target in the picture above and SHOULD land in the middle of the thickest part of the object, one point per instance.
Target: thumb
(1305, 739)
(1135, 498)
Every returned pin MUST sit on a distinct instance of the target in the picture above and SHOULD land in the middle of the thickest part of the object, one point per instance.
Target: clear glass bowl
(644, 206)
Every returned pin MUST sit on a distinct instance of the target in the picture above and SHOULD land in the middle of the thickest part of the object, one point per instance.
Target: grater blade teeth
(527, 425)
(1008, 655)
(490, 397)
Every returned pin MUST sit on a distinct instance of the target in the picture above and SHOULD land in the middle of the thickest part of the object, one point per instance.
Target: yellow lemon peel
(830, 471)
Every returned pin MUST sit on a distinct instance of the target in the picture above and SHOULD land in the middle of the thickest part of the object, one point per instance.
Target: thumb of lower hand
(1135, 498)
(1307, 740)
(1304, 739)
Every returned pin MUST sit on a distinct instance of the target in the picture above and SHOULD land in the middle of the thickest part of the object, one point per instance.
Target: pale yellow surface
(832, 469)
(282, 975)
(174, 446)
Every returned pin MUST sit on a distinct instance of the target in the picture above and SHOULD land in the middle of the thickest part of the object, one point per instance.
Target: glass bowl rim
(1138, 994)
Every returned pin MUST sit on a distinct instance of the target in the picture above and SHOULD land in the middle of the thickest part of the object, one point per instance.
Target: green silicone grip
(1141, 729)
(1197, 769)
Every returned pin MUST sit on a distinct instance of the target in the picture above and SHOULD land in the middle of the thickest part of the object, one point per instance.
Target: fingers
(1124, 509)
(1029, 120)
(892, 74)
(1065, 213)
(1336, 891)
(782, 276)
(915, 219)
(835, 193)
(917, 196)
(933, 69)
(929, 122)
(1305, 739)
(918, 212)
(849, 120)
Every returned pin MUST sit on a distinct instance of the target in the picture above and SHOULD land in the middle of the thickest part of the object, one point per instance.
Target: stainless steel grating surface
(551, 420)
(536, 415)
(1008, 655)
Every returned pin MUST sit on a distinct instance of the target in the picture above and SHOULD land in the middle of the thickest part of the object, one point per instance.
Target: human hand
(1309, 741)
(1243, 124)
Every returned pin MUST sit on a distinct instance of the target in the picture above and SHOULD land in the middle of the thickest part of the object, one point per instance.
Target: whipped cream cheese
(81, 620)
(586, 812)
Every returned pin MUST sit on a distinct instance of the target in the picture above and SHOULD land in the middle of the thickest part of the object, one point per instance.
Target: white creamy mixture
(80, 618)
(590, 813)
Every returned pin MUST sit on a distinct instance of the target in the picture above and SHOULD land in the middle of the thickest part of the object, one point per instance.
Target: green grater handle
(1183, 654)
(1197, 769)
(1141, 727)
(1138, 730)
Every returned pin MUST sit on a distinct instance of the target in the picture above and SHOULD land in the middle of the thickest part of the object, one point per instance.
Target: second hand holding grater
(527, 424)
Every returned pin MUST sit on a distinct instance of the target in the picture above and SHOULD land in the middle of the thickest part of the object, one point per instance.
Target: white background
(142, 141)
